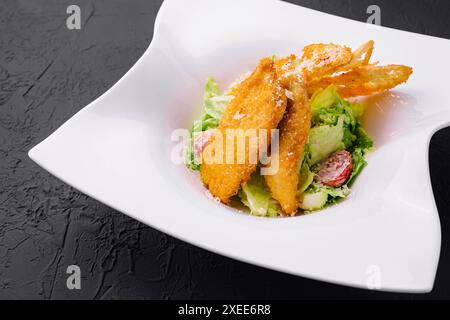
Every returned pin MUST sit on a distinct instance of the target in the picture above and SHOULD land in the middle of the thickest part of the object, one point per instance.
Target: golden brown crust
(361, 56)
(259, 103)
(320, 60)
(294, 132)
(285, 65)
(365, 80)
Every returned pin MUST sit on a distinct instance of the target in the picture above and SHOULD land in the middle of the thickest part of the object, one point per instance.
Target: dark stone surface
(48, 73)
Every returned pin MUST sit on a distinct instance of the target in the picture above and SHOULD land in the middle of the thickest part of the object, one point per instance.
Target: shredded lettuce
(255, 195)
(214, 105)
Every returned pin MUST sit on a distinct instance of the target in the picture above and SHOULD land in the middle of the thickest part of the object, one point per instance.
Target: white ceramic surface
(117, 149)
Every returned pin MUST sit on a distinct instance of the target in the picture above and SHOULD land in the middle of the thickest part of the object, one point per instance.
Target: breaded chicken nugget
(365, 80)
(294, 132)
(259, 103)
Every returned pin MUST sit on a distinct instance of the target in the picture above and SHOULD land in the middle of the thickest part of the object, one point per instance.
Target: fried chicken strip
(259, 103)
(294, 132)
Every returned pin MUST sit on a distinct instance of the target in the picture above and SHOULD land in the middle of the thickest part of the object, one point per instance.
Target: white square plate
(118, 149)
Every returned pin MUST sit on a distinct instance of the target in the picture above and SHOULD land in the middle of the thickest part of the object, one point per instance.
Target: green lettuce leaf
(214, 105)
(324, 140)
(348, 139)
(306, 177)
(318, 196)
(363, 144)
(363, 140)
(328, 107)
(324, 99)
(359, 162)
(255, 195)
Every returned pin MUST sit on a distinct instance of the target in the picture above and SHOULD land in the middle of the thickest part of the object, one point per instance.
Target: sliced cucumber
(313, 201)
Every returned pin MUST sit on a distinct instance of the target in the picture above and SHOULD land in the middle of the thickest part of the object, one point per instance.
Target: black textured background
(48, 73)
